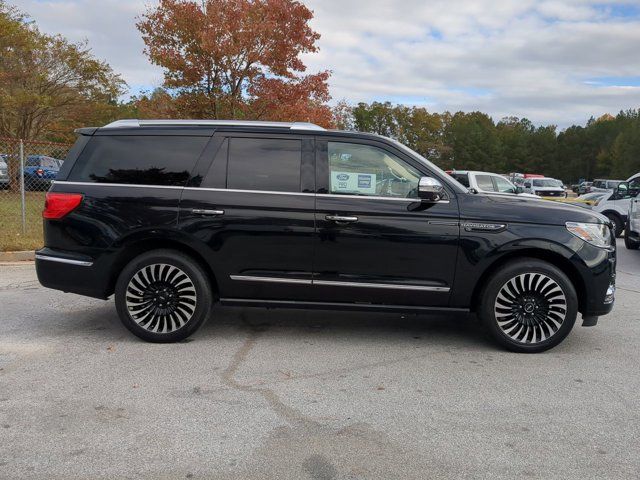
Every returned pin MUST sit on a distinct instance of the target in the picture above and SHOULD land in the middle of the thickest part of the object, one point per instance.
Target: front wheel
(529, 306)
(616, 221)
(163, 296)
(629, 242)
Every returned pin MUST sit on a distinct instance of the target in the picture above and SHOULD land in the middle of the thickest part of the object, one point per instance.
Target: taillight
(57, 205)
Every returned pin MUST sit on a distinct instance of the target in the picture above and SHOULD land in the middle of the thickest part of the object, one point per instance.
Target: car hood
(507, 208)
(550, 189)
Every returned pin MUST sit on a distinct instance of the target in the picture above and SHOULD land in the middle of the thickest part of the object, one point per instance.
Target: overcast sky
(552, 61)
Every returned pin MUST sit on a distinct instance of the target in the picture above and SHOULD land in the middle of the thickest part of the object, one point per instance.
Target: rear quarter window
(138, 160)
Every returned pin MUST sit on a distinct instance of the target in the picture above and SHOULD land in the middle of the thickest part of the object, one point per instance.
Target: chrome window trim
(133, 185)
(232, 190)
(375, 197)
(69, 261)
(335, 283)
(235, 190)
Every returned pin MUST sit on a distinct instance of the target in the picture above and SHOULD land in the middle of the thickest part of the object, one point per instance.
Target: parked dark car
(40, 171)
(173, 216)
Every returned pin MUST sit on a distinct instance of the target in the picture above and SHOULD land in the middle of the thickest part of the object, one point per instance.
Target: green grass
(11, 236)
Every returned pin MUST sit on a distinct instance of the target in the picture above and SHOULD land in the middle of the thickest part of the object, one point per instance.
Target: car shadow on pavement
(102, 323)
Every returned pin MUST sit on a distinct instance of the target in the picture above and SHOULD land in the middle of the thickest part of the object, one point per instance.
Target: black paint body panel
(428, 248)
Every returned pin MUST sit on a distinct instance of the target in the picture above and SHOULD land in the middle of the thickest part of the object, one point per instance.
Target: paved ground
(318, 395)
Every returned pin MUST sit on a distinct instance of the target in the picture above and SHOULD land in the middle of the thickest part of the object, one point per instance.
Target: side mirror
(623, 190)
(527, 185)
(430, 190)
(519, 189)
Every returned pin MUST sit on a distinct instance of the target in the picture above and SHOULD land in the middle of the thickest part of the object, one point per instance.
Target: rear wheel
(629, 242)
(529, 306)
(617, 223)
(163, 296)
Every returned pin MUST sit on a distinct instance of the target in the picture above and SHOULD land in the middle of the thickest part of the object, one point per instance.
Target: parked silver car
(4, 172)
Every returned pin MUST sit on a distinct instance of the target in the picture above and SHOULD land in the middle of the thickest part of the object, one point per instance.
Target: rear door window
(267, 164)
(139, 160)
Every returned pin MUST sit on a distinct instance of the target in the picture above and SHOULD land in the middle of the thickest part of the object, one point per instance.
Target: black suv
(173, 216)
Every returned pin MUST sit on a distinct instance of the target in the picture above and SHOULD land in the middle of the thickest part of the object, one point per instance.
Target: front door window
(356, 169)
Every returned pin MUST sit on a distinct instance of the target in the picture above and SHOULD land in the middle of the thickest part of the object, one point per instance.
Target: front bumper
(600, 287)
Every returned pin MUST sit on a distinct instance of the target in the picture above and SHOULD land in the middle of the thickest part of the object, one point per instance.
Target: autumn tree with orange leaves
(235, 59)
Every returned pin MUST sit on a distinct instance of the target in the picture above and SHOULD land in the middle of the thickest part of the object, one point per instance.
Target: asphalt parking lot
(317, 395)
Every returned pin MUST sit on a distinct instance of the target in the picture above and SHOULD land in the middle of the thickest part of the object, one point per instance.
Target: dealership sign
(350, 182)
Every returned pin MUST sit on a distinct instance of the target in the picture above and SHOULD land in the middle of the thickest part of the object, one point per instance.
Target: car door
(253, 209)
(376, 242)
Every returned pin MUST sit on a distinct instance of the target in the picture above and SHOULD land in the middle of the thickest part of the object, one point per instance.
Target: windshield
(546, 182)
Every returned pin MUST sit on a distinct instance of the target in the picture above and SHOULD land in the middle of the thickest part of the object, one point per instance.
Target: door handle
(341, 219)
(200, 211)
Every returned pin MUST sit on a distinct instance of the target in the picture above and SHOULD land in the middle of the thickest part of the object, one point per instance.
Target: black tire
(617, 222)
(163, 290)
(534, 286)
(629, 242)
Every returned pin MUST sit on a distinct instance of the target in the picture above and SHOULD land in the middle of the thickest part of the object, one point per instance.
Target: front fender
(480, 252)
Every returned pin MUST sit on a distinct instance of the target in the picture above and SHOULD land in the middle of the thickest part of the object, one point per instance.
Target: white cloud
(539, 59)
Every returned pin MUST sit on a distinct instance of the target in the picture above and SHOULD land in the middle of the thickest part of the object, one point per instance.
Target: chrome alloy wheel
(161, 298)
(530, 308)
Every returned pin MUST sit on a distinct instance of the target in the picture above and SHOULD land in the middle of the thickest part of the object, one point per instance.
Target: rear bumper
(71, 272)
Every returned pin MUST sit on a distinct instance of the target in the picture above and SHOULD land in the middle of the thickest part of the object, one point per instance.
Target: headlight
(597, 234)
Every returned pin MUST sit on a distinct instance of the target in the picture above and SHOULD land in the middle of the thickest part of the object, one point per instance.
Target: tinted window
(142, 160)
(484, 183)
(366, 170)
(264, 164)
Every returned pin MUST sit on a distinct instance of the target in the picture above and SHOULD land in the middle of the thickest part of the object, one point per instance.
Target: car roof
(475, 172)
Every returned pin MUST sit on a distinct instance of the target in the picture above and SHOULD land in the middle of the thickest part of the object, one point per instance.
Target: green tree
(375, 118)
(474, 143)
(625, 152)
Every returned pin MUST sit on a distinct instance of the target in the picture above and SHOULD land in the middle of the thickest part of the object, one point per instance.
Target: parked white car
(602, 185)
(487, 182)
(614, 204)
(544, 187)
(632, 227)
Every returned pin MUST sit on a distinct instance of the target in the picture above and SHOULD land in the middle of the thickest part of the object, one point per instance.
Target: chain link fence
(26, 172)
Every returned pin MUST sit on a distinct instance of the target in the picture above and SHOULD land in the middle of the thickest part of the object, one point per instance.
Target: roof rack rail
(129, 123)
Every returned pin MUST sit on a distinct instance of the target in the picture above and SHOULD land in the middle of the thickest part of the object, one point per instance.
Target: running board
(245, 302)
